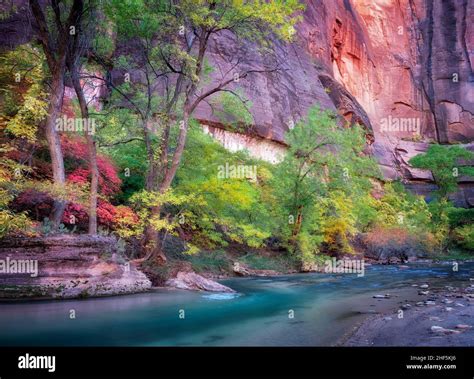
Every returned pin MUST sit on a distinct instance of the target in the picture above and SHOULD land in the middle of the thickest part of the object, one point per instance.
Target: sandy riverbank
(433, 316)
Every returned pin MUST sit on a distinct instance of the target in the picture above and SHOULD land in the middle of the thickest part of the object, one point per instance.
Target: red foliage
(76, 215)
(76, 149)
(40, 169)
(37, 204)
(108, 215)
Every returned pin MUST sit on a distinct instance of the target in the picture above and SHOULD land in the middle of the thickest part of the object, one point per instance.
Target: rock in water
(386, 296)
(196, 282)
(440, 329)
(463, 326)
(243, 270)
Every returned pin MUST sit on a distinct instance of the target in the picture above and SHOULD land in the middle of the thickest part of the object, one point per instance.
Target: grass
(211, 261)
(281, 262)
(220, 262)
(455, 254)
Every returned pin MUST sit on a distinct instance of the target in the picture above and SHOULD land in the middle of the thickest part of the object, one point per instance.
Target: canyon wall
(401, 68)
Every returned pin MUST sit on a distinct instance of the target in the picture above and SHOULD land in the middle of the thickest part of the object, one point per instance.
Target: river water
(324, 307)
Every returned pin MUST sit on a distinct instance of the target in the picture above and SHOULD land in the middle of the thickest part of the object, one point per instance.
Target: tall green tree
(174, 40)
(323, 173)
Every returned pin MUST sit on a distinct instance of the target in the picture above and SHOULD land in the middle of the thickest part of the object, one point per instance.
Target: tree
(64, 41)
(23, 106)
(445, 165)
(78, 46)
(55, 46)
(174, 40)
(324, 171)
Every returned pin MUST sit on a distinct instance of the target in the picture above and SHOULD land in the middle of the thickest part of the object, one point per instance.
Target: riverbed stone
(192, 281)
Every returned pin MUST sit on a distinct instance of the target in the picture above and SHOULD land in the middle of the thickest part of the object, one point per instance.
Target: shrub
(76, 153)
(116, 218)
(36, 204)
(13, 223)
(460, 216)
(465, 236)
(397, 243)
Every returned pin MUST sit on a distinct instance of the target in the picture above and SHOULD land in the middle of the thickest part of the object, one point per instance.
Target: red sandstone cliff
(403, 68)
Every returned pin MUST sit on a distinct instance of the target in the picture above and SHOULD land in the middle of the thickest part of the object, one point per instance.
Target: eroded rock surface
(187, 280)
(68, 267)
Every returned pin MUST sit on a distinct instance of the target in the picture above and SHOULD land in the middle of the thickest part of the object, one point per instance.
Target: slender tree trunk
(297, 227)
(171, 172)
(92, 149)
(152, 236)
(54, 142)
(56, 58)
(151, 241)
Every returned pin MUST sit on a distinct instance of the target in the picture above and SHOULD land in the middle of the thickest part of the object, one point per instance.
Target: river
(323, 306)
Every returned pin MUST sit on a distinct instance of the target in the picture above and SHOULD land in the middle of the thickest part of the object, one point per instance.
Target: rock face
(66, 267)
(191, 281)
(401, 68)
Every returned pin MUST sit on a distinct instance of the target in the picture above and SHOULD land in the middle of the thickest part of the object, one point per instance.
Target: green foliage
(211, 261)
(464, 236)
(223, 210)
(13, 223)
(22, 94)
(318, 184)
(233, 109)
(275, 262)
(460, 216)
(144, 201)
(399, 208)
(445, 164)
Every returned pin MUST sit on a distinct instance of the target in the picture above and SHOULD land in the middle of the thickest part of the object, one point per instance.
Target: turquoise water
(325, 306)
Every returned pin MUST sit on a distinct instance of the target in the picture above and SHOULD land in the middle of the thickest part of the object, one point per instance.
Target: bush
(394, 243)
(14, 223)
(465, 236)
(460, 216)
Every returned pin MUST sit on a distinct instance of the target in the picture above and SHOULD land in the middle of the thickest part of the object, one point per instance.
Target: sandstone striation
(67, 267)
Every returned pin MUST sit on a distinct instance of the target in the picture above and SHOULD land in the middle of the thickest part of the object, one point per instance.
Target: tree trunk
(152, 242)
(297, 227)
(92, 154)
(171, 172)
(56, 58)
(54, 142)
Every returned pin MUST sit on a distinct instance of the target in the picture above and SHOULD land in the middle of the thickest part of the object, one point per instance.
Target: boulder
(187, 280)
(243, 270)
(67, 266)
